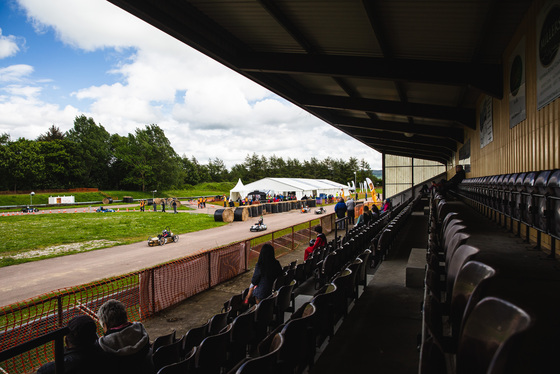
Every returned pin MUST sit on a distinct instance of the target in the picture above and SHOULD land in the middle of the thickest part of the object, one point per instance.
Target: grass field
(33, 237)
(203, 189)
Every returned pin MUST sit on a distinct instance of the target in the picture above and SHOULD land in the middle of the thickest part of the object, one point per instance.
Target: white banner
(548, 63)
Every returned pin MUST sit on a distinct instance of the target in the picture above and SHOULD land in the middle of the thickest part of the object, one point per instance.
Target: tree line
(88, 156)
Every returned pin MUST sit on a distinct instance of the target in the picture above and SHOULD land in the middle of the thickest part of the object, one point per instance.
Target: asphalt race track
(24, 281)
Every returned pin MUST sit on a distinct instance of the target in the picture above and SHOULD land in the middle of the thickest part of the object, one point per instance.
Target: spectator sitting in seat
(435, 186)
(455, 180)
(266, 271)
(366, 217)
(81, 354)
(387, 205)
(374, 213)
(321, 241)
(126, 344)
(309, 250)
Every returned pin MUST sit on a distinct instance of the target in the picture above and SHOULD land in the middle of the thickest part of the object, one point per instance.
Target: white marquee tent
(284, 186)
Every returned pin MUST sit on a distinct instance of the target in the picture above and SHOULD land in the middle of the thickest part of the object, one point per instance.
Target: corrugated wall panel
(533, 144)
(399, 173)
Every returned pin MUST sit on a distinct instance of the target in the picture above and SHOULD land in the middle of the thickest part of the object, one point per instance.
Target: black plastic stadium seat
(487, 330)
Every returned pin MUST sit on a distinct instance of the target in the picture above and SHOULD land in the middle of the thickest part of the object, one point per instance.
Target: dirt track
(21, 282)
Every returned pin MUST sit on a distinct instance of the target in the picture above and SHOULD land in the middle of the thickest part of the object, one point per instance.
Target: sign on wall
(517, 106)
(548, 63)
(485, 118)
(61, 200)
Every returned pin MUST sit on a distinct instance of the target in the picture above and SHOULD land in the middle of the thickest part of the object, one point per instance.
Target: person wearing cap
(126, 344)
(81, 353)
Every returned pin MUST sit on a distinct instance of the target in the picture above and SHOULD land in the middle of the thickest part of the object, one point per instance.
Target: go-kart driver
(164, 234)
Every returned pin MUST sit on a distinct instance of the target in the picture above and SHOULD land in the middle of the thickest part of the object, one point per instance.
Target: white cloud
(205, 109)
(85, 24)
(8, 45)
(37, 117)
(15, 73)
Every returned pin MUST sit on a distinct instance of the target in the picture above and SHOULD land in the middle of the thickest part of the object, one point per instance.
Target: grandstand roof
(402, 77)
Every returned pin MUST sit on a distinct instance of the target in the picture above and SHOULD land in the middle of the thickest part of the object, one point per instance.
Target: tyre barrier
(241, 214)
(223, 215)
(254, 211)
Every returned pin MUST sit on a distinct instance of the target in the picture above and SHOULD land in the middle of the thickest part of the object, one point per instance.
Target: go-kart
(104, 210)
(321, 210)
(27, 209)
(259, 226)
(305, 209)
(165, 237)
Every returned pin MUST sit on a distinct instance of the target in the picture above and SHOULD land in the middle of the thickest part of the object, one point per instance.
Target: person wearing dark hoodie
(340, 209)
(125, 344)
(81, 354)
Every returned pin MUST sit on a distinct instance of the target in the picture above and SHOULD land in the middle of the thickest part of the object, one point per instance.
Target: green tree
(119, 164)
(255, 167)
(53, 133)
(93, 150)
(217, 171)
(294, 168)
(277, 167)
(190, 170)
(238, 171)
(168, 168)
(21, 164)
(4, 138)
(146, 160)
(60, 167)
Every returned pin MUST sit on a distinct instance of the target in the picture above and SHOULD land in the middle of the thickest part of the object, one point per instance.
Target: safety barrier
(144, 292)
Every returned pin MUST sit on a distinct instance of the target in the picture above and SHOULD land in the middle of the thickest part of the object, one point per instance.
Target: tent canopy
(285, 186)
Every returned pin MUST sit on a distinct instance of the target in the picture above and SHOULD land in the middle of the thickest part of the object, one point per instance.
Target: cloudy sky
(63, 58)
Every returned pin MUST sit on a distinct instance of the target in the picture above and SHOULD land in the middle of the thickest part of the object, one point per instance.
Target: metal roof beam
(407, 152)
(272, 8)
(186, 23)
(350, 124)
(485, 77)
(463, 116)
(439, 159)
(439, 145)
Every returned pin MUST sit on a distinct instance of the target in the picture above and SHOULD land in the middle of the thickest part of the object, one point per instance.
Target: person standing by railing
(340, 210)
(351, 206)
